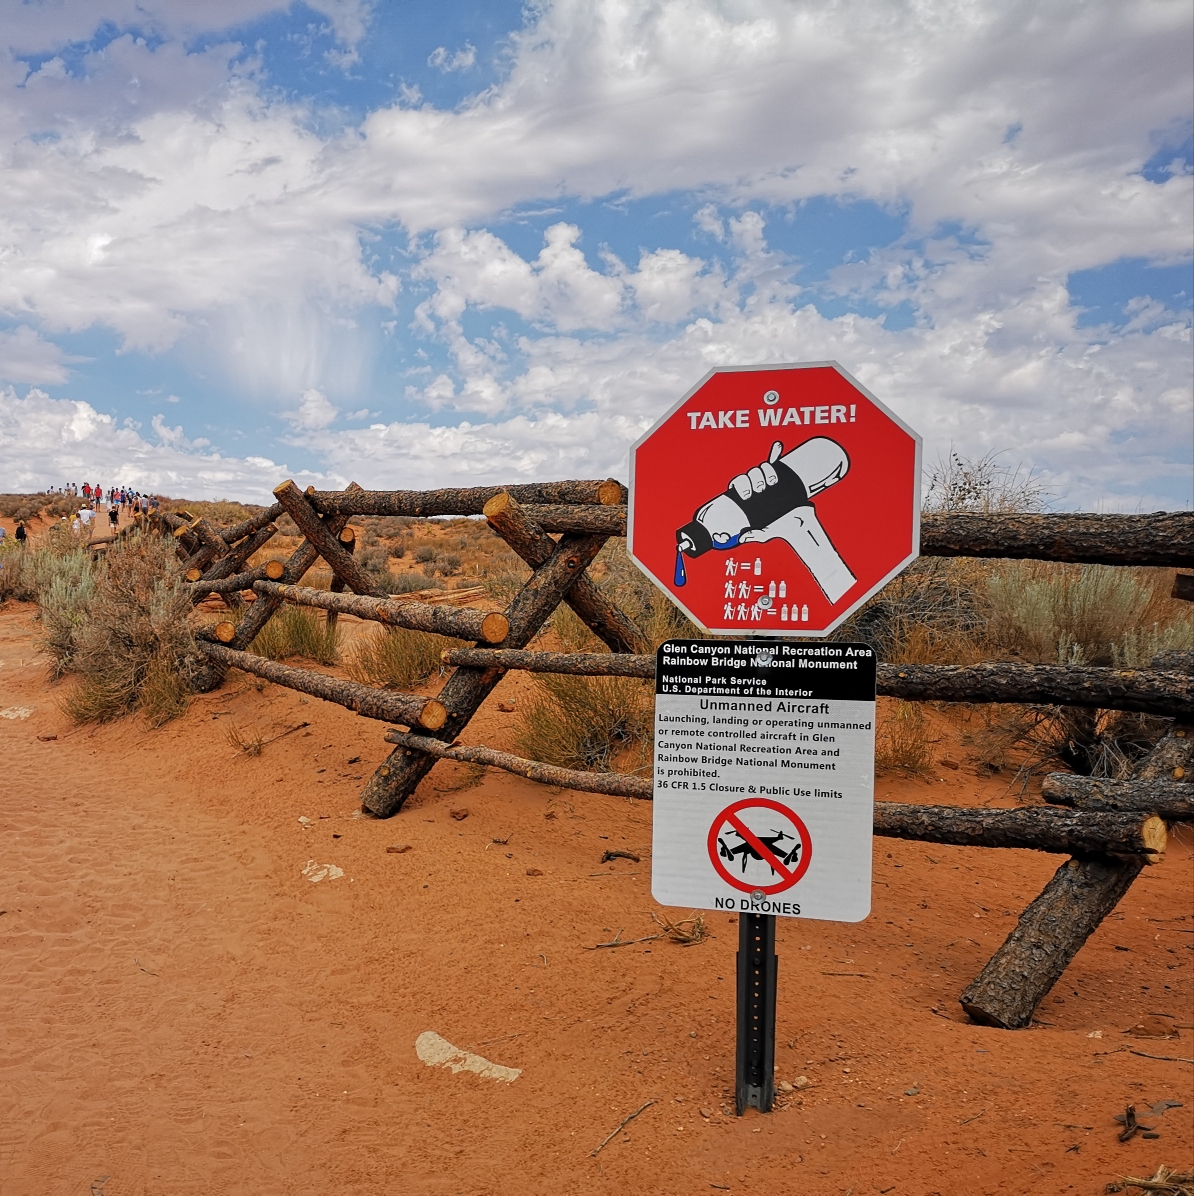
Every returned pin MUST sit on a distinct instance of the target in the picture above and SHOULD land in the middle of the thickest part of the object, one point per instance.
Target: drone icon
(746, 852)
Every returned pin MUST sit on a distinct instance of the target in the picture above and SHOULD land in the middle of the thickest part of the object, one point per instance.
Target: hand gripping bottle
(773, 501)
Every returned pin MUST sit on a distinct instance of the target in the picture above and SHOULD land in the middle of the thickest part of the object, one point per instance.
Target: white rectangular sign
(764, 777)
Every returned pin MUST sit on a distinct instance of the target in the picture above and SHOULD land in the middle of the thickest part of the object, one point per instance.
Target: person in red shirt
(86, 489)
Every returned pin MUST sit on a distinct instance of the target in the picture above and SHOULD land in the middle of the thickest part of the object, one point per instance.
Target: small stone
(802, 1082)
(506, 706)
(323, 816)
(784, 1086)
(949, 762)
(913, 1091)
(706, 1112)
(304, 820)
(354, 759)
(692, 1033)
(460, 815)
(398, 848)
(534, 871)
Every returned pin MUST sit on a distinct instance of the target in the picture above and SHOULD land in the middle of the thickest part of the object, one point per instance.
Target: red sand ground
(183, 1012)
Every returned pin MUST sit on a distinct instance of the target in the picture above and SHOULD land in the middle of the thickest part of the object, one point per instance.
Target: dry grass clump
(296, 631)
(123, 631)
(902, 741)
(589, 723)
(397, 657)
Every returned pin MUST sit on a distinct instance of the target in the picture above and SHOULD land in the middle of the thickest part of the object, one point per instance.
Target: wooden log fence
(1111, 829)
(1171, 800)
(1130, 835)
(490, 626)
(1161, 693)
(384, 704)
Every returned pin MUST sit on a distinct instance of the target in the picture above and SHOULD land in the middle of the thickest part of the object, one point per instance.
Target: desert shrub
(397, 550)
(397, 657)
(425, 554)
(902, 739)
(408, 583)
(221, 513)
(129, 642)
(1080, 614)
(981, 485)
(589, 723)
(373, 559)
(448, 564)
(64, 585)
(297, 631)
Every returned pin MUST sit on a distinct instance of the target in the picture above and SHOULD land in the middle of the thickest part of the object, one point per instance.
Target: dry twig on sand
(621, 1124)
(686, 931)
(252, 745)
(1166, 1182)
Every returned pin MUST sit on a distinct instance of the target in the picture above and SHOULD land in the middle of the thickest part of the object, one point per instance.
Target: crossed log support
(1112, 830)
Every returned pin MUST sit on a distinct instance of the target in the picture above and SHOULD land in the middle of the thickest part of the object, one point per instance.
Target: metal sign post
(758, 973)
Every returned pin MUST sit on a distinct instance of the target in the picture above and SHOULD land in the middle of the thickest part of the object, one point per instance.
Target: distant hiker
(114, 516)
(21, 534)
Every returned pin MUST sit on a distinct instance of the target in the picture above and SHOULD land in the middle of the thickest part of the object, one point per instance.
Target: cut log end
(348, 536)
(225, 632)
(179, 532)
(433, 715)
(610, 493)
(497, 504)
(274, 570)
(282, 487)
(194, 574)
(1155, 834)
(494, 628)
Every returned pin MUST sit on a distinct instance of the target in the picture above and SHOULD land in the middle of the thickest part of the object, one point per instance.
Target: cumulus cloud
(166, 195)
(462, 60)
(46, 441)
(314, 411)
(26, 357)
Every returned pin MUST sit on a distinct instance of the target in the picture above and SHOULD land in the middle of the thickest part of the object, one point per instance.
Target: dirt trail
(183, 1011)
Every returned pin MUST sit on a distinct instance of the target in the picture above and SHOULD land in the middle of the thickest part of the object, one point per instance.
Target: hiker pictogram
(759, 845)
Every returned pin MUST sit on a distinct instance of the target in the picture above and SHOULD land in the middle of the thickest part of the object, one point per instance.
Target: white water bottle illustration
(773, 501)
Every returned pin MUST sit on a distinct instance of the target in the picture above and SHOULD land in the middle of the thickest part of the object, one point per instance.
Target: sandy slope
(183, 1012)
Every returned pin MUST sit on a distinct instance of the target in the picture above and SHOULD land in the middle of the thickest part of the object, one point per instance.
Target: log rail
(1160, 693)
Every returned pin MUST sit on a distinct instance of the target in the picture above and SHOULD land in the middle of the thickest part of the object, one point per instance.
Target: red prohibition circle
(788, 876)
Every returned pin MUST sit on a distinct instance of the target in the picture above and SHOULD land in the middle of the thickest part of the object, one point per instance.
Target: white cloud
(158, 194)
(314, 411)
(26, 357)
(463, 60)
(45, 441)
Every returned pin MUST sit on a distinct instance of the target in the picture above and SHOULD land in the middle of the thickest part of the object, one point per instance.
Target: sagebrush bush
(63, 583)
(130, 644)
(399, 658)
(298, 631)
(1065, 614)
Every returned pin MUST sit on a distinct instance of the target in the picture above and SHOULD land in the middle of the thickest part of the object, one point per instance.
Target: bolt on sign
(775, 500)
(764, 777)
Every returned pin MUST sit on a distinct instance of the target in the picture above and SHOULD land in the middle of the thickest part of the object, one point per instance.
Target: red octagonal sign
(775, 500)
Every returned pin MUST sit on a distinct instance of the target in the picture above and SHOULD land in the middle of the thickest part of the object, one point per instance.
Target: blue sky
(402, 242)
